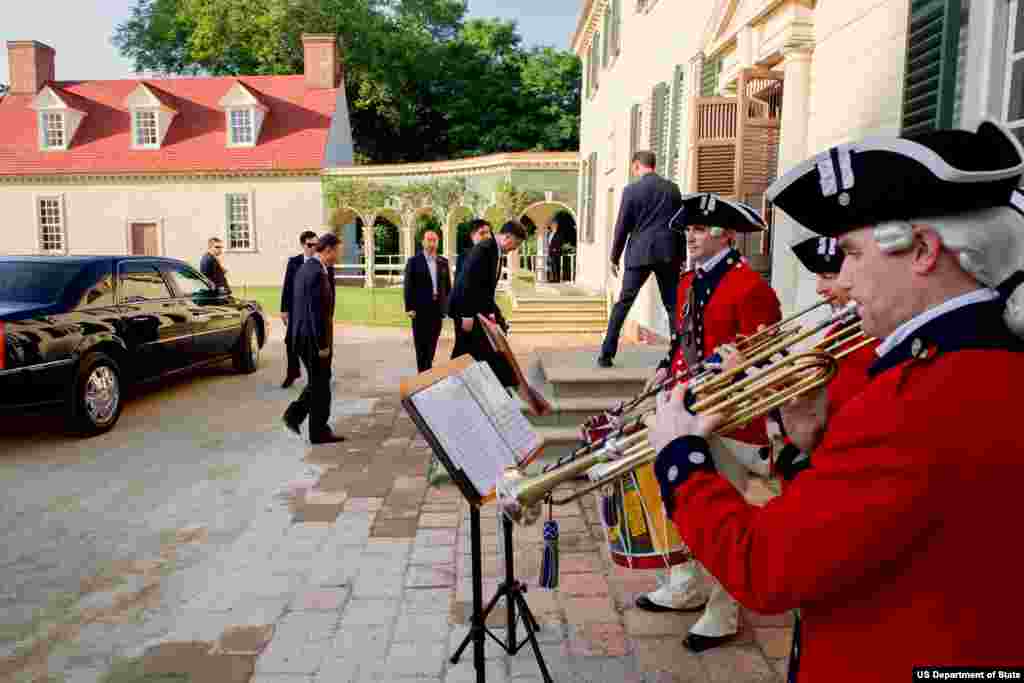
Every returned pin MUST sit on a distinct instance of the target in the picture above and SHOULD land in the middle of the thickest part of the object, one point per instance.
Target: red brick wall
(31, 65)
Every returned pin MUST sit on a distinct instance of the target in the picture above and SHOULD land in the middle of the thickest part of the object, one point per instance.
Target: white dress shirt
(908, 328)
(432, 267)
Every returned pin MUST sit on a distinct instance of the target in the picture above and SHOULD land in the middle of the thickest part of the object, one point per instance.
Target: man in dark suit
(648, 206)
(479, 230)
(474, 294)
(308, 240)
(312, 333)
(210, 265)
(427, 285)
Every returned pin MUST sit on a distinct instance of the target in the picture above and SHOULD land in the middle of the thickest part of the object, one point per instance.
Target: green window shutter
(634, 136)
(929, 80)
(678, 84)
(709, 77)
(606, 45)
(657, 139)
(616, 27)
(595, 63)
(590, 200)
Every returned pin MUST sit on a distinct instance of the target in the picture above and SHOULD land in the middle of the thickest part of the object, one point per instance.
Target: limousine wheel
(247, 357)
(97, 399)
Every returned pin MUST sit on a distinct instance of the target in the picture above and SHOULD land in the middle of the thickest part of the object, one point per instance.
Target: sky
(81, 35)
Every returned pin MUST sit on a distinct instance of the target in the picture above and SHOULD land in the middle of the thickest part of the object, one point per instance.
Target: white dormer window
(57, 120)
(53, 130)
(244, 114)
(241, 126)
(145, 128)
(152, 113)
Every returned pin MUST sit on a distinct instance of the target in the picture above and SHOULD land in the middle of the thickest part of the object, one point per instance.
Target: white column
(792, 150)
(369, 248)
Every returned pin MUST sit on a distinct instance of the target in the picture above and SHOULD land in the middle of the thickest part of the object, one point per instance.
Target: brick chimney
(322, 60)
(31, 64)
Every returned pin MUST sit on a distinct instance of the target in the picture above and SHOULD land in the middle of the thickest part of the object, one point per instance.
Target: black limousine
(75, 330)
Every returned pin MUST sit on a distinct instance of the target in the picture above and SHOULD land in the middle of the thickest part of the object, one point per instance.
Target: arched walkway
(457, 232)
(388, 261)
(347, 224)
(555, 223)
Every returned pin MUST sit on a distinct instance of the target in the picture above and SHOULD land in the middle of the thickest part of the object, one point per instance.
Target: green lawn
(379, 306)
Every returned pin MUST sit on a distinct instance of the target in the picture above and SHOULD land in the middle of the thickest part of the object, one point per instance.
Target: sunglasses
(311, 244)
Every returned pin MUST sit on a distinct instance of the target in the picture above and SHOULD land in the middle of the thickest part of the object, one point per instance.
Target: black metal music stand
(510, 589)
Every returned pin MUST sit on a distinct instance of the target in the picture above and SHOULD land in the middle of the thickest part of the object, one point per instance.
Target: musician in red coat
(823, 257)
(718, 301)
(921, 469)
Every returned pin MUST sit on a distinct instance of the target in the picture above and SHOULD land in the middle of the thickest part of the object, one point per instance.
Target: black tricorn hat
(870, 181)
(707, 208)
(820, 254)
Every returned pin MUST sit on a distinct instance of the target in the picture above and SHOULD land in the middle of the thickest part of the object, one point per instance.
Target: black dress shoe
(697, 643)
(327, 438)
(293, 426)
(645, 603)
(604, 361)
(289, 380)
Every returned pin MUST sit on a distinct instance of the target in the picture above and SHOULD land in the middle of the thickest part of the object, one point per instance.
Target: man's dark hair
(306, 234)
(327, 241)
(514, 228)
(476, 224)
(646, 158)
(213, 240)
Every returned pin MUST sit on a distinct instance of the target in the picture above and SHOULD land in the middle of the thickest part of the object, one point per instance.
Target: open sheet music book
(474, 420)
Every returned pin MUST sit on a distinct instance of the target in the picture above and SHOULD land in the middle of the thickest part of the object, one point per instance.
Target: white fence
(390, 267)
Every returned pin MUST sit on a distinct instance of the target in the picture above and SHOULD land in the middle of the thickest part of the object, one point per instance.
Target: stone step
(566, 313)
(573, 412)
(559, 301)
(575, 374)
(557, 319)
(557, 328)
(558, 442)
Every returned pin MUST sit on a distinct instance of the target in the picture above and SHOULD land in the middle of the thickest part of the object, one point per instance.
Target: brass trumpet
(758, 348)
(742, 401)
(741, 398)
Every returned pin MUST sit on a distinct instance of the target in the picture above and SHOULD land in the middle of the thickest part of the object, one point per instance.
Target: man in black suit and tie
(474, 294)
(648, 206)
(312, 333)
(479, 230)
(308, 240)
(427, 285)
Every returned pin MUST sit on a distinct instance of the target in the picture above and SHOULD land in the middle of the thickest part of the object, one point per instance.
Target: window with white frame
(53, 129)
(146, 128)
(51, 225)
(1013, 80)
(239, 222)
(241, 126)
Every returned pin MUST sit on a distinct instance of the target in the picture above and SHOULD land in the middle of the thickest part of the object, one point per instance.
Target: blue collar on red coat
(977, 326)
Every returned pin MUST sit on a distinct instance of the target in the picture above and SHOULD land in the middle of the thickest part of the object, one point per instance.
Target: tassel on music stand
(549, 563)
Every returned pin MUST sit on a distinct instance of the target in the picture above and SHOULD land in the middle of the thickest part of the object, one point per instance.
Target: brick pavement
(369, 580)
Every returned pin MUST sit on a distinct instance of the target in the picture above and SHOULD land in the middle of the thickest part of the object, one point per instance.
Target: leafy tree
(423, 84)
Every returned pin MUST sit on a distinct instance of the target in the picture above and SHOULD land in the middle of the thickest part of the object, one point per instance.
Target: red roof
(293, 136)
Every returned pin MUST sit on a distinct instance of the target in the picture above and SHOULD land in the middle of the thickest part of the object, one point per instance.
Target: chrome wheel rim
(254, 348)
(102, 395)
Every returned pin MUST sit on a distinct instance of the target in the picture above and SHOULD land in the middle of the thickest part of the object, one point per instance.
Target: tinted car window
(188, 281)
(35, 282)
(141, 282)
(100, 294)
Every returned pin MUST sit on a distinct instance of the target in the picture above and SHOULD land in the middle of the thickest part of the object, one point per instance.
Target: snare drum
(639, 533)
